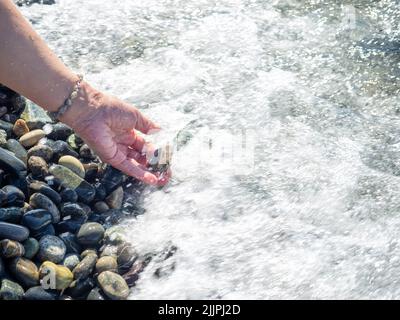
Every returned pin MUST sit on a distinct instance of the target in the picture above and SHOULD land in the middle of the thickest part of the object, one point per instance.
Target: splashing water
(317, 216)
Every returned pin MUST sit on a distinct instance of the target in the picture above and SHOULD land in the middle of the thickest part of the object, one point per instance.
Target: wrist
(83, 106)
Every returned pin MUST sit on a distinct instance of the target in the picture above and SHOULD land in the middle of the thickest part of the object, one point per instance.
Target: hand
(108, 125)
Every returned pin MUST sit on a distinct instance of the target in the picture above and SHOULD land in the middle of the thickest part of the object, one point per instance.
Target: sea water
(312, 209)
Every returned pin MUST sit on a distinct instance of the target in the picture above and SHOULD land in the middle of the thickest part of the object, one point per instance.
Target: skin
(108, 125)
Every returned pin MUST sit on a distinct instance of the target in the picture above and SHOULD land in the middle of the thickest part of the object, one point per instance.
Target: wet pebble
(31, 246)
(61, 148)
(86, 153)
(114, 200)
(38, 293)
(59, 131)
(11, 249)
(106, 263)
(38, 166)
(63, 276)
(72, 209)
(14, 196)
(11, 290)
(41, 187)
(40, 201)
(31, 138)
(11, 163)
(20, 128)
(36, 219)
(90, 234)
(42, 151)
(73, 164)
(85, 267)
(113, 285)
(11, 214)
(3, 137)
(126, 256)
(69, 179)
(25, 271)
(79, 289)
(13, 232)
(101, 207)
(71, 261)
(19, 151)
(71, 242)
(51, 248)
(69, 195)
(96, 294)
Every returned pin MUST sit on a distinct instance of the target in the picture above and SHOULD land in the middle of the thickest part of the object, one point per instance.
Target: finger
(135, 141)
(139, 157)
(145, 125)
(132, 168)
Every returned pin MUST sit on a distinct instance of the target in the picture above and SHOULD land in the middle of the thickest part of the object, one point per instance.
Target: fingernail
(154, 130)
(151, 179)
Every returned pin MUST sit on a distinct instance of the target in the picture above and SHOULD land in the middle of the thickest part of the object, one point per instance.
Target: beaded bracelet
(55, 115)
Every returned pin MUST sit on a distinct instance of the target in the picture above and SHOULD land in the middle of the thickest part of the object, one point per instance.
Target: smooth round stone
(25, 271)
(112, 179)
(109, 250)
(40, 201)
(71, 261)
(114, 235)
(69, 179)
(63, 276)
(3, 137)
(31, 138)
(100, 207)
(10, 290)
(106, 263)
(72, 209)
(71, 242)
(42, 151)
(73, 164)
(31, 246)
(10, 163)
(90, 234)
(114, 200)
(61, 148)
(68, 225)
(38, 293)
(6, 126)
(126, 256)
(14, 196)
(11, 249)
(13, 232)
(113, 285)
(36, 219)
(11, 214)
(38, 186)
(20, 128)
(34, 116)
(133, 274)
(17, 149)
(88, 252)
(60, 131)
(69, 195)
(51, 248)
(45, 231)
(85, 267)
(79, 289)
(38, 166)
(101, 192)
(74, 141)
(95, 294)
(86, 153)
